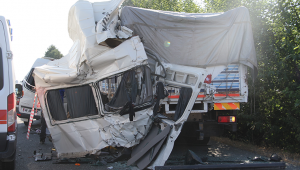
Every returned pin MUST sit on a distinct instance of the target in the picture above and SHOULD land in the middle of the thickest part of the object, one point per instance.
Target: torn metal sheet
(82, 18)
(43, 156)
(174, 133)
(138, 154)
(191, 158)
(102, 92)
(101, 62)
(89, 60)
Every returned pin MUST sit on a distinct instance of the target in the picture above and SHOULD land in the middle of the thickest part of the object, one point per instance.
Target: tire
(8, 165)
(204, 141)
(27, 123)
(190, 135)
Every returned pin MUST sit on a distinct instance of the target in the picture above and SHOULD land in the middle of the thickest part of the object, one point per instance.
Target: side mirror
(19, 90)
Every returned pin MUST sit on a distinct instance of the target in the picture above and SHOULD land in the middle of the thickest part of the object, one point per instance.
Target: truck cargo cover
(199, 40)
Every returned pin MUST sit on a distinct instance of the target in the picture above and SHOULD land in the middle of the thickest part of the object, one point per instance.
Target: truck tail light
(11, 113)
(226, 119)
(18, 102)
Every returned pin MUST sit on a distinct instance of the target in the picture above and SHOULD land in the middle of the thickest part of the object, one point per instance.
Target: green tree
(166, 5)
(272, 115)
(276, 120)
(53, 52)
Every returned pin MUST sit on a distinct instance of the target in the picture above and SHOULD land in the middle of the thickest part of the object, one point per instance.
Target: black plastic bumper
(26, 115)
(9, 153)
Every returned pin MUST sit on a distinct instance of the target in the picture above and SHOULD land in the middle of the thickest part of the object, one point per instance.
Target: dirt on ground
(291, 158)
(218, 151)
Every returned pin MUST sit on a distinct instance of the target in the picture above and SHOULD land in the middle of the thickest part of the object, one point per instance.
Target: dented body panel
(106, 91)
(222, 85)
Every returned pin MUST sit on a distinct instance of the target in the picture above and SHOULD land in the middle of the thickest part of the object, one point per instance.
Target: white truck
(134, 77)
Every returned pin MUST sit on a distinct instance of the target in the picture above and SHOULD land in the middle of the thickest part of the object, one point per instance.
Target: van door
(4, 87)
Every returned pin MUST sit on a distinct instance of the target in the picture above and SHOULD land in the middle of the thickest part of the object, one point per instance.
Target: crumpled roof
(199, 40)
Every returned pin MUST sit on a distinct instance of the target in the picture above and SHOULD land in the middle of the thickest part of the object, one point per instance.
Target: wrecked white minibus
(108, 90)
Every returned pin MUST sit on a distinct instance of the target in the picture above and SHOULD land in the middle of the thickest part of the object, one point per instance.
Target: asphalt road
(214, 153)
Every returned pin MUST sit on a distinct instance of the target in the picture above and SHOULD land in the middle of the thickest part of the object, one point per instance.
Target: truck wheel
(204, 141)
(26, 123)
(8, 165)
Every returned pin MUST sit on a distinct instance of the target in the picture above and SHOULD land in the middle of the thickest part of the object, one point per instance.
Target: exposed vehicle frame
(111, 89)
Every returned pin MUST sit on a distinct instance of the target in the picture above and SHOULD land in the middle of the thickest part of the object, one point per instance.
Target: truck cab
(8, 116)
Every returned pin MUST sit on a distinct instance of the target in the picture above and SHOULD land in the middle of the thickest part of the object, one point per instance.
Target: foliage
(272, 115)
(167, 5)
(273, 119)
(53, 52)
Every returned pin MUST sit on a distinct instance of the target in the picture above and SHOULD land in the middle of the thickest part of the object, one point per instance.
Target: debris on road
(42, 156)
(191, 158)
(274, 157)
(261, 159)
(74, 160)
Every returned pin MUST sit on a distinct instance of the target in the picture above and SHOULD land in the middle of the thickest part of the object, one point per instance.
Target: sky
(36, 25)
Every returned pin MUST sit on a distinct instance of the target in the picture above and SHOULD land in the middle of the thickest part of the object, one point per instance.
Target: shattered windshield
(133, 86)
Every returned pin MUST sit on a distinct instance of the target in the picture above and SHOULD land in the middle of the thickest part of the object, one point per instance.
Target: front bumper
(9, 153)
(26, 115)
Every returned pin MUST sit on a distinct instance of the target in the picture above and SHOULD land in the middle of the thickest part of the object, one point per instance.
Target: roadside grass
(291, 158)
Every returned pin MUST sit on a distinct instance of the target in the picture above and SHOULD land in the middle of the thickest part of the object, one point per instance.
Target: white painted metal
(5, 91)
(88, 62)
(25, 104)
(91, 59)
(8, 68)
(168, 146)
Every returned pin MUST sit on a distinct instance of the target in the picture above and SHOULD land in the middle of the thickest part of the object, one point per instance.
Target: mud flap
(144, 153)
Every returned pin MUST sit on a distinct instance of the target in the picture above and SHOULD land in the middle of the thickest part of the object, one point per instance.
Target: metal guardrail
(271, 165)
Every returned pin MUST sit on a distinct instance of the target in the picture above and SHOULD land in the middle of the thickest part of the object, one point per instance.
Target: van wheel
(26, 123)
(8, 165)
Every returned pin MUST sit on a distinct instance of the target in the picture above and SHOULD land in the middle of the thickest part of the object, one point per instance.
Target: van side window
(71, 102)
(30, 81)
(1, 70)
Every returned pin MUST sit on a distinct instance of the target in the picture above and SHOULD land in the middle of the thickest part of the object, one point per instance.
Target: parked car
(24, 104)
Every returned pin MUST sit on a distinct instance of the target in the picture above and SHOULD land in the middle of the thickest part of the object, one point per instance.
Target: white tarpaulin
(199, 40)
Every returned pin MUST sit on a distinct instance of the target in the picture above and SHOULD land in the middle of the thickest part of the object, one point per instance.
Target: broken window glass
(177, 102)
(29, 84)
(133, 86)
(71, 102)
